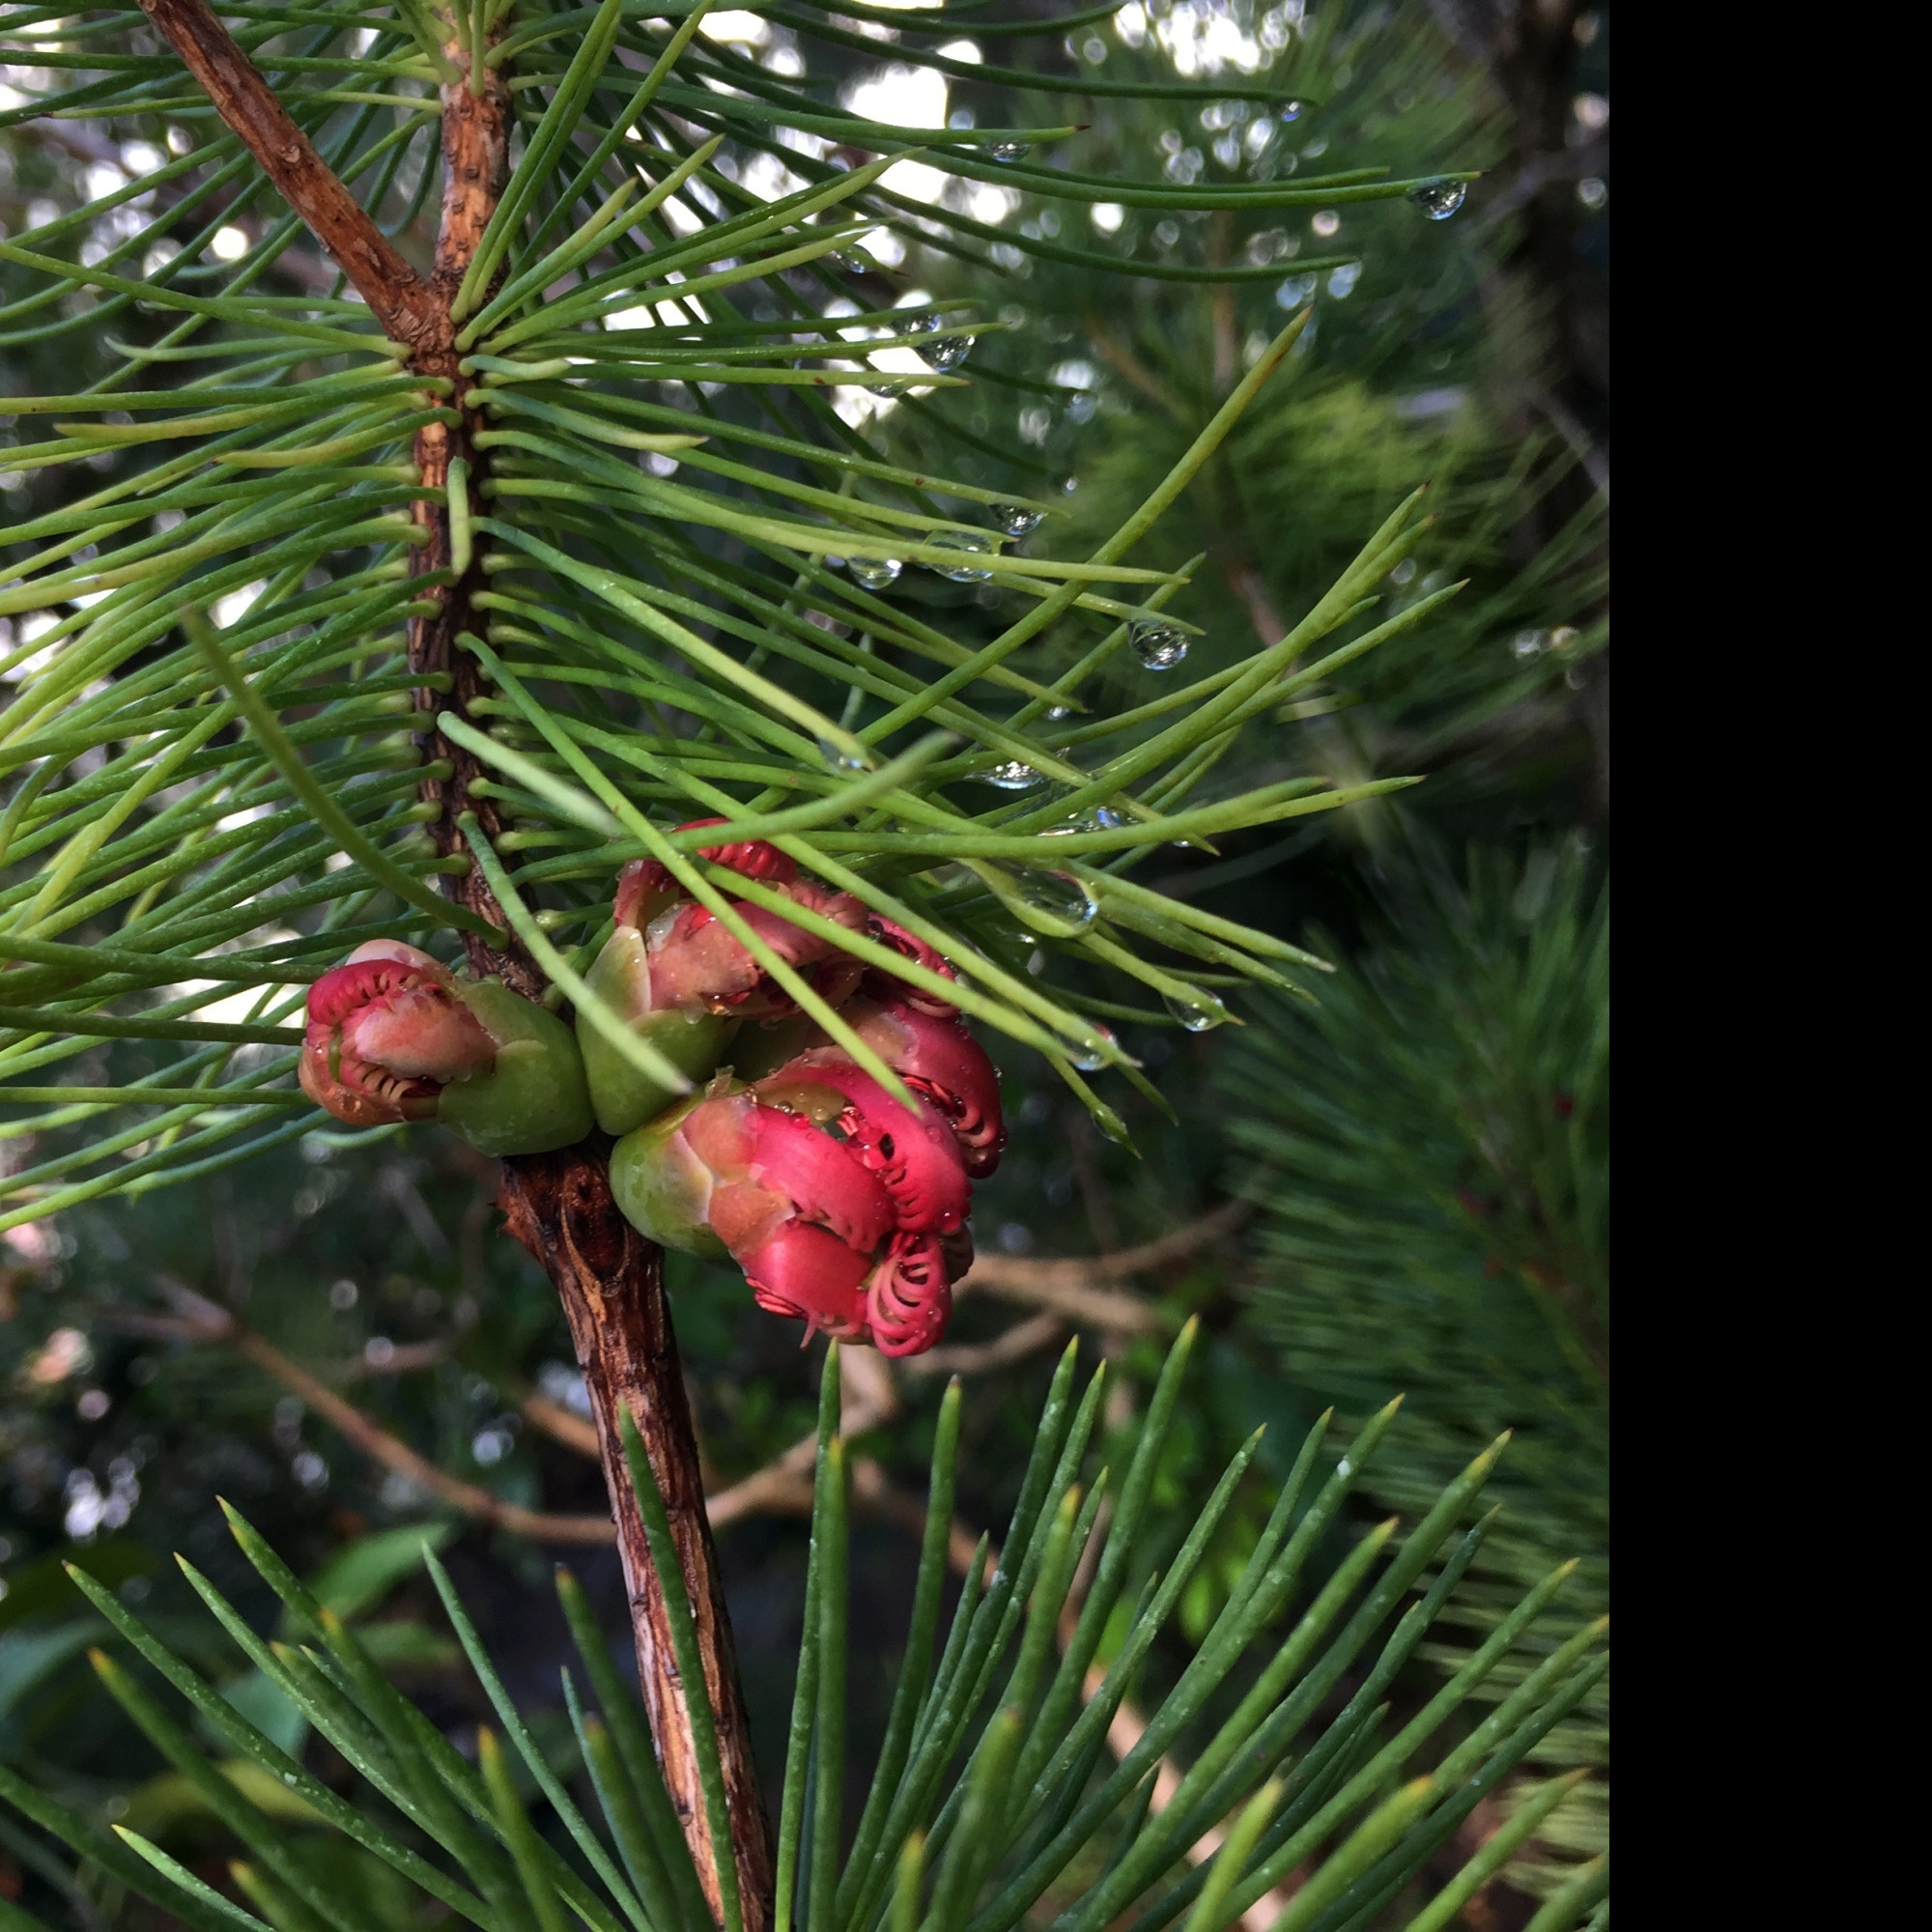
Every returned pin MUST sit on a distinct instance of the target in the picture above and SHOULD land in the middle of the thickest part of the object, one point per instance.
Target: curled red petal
(911, 1150)
(942, 1061)
(812, 1276)
(386, 1033)
(909, 1297)
(884, 985)
(368, 976)
(646, 885)
(362, 1096)
(755, 857)
(821, 1177)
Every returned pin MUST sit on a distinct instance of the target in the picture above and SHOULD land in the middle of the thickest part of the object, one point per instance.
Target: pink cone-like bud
(394, 1036)
(683, 980)
(386, 1034)
(786, 1198)
(844, 1206)
(694, 961)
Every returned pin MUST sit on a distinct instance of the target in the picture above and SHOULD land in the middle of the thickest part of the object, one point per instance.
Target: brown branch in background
(868, 1398)
(1023, 1339)
(1077, 1289)
(1119, 358)
(198, 1319)
(386, 1449)
(560, 1424)
(869, 1395)
(383, 1357)
(1245, 582)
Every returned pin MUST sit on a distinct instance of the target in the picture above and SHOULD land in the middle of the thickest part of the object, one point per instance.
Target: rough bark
(559, 1205)
(475, 164)
(610, 1281)
(395, 293)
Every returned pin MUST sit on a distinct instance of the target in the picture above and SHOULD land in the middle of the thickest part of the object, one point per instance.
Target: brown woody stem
(397, 296)
(612, 1283)
(560, 1205)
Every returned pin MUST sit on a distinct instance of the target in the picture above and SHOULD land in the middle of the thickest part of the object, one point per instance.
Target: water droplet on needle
(841, 759)
(1016, 775)
(1158, 647)
(1092, 1058)
(1055, 896)
(1197, 1014)
(1438, 200)
(965, 540)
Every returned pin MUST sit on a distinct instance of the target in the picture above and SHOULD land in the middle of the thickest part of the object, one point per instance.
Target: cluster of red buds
(844, 1205)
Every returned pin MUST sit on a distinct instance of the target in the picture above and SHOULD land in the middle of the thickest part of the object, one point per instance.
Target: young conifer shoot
(527, 641)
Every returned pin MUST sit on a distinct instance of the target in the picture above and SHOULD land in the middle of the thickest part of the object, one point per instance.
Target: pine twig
(610, 1281)
(561, 1207)
(398, 298)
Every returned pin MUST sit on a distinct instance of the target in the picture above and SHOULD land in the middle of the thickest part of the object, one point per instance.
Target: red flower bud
(386, 1034)
(682, 981)
(694, 961)
(394, 1036)
(844, 1207)
(938, 1059)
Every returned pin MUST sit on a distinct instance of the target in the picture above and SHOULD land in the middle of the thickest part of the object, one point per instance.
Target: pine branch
(605, 651)
(397, 296)
(610, 1279)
